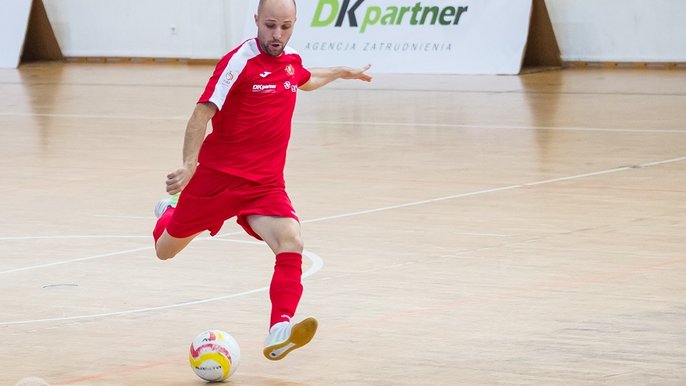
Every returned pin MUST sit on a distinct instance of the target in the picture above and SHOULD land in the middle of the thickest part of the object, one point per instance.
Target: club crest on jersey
(289, 70)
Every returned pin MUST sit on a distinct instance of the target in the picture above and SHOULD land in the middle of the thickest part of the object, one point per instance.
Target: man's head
(275, 20)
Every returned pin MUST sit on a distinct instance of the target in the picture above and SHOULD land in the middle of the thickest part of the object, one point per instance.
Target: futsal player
(237, 170)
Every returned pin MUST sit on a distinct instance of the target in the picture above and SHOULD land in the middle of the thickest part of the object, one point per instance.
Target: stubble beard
(268, 49)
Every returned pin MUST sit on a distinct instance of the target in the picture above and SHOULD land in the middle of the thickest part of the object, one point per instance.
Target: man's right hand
(178, 179)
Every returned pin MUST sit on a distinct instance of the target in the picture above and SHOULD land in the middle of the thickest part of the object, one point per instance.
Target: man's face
(275, 20)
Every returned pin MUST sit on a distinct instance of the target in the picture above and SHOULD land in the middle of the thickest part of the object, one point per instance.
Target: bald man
(237, 170)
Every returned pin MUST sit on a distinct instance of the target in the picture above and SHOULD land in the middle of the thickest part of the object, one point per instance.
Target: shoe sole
(301, 334)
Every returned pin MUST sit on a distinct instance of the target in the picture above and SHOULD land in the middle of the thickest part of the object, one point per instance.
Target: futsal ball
(214, 355)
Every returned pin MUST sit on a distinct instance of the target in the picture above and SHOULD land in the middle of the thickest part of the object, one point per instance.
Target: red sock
(285, 289)
(162, 223)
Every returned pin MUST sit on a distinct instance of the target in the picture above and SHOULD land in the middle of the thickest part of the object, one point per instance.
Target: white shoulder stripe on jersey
(290, 50)
(234, 68)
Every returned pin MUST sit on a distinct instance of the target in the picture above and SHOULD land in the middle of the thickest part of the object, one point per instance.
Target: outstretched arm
(323, 76)
(195, 134)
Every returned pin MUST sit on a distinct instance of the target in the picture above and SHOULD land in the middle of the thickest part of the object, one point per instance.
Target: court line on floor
(380, 88)
(46, 265)
(317, 264)
(358, 123)
(94, 116)
(500, 189)
(490, 127)
(416, 203)
(451, 305)
(125, 217)
(357, 213)
(86, 258)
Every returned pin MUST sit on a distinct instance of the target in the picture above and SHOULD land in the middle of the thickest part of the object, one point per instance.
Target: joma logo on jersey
(329, 10)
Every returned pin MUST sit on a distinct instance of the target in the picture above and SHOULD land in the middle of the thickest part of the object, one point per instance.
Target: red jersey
(255, 96)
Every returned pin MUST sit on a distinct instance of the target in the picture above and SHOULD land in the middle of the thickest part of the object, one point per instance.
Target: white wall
(14, 16)
(620, 30)
(142, 28)
(591, 30)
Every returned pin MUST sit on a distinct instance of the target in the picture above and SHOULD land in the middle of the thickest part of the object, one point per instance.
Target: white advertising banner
(414, 37)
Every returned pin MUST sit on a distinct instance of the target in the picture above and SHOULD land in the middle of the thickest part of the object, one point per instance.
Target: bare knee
(167, 246)
(297, 245)
(290, 243)
(164, 248)
(282, 234)
(165, 253)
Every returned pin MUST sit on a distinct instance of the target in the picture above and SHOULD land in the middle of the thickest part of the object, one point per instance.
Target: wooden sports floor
(459, 230)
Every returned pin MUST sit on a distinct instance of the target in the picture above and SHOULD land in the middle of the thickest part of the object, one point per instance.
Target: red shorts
(212, 197)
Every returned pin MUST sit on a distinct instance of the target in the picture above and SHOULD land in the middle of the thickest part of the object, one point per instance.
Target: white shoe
(285, 337)
(165, 203)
